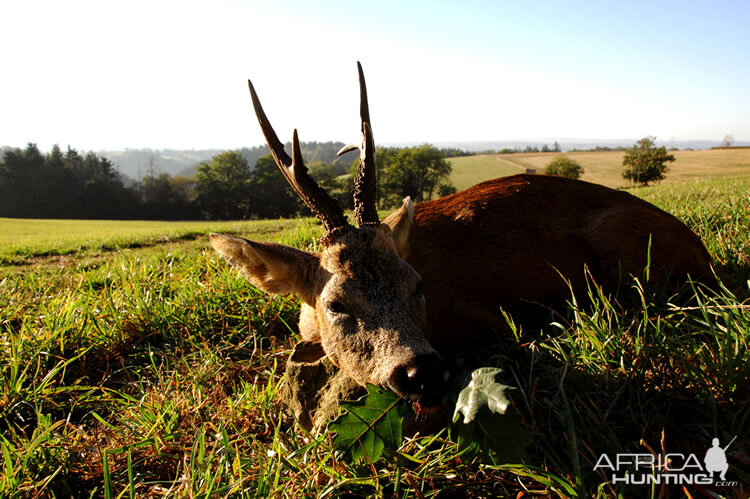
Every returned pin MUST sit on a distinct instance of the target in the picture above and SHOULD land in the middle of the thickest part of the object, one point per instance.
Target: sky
(160, 74)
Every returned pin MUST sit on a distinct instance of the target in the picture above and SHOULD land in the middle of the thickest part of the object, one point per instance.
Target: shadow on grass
(664, 374)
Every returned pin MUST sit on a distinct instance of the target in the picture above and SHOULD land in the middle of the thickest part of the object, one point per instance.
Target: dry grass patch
(603, 167)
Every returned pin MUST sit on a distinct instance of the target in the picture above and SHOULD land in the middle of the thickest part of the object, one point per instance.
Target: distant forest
(135, 164)
(242, 184)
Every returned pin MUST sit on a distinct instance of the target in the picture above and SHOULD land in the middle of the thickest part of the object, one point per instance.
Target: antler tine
(365, 184)
(364, 107)
(277, 148)
(294, 170)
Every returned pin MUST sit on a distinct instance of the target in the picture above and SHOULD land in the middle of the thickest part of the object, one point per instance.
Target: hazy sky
(161, 74)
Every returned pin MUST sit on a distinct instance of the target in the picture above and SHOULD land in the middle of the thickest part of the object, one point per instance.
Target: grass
(717, 210)
(155, 371)
(24, 240)
(603, 167)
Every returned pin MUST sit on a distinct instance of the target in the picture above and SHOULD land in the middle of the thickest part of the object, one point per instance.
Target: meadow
(603, 167)
(139, 367)
(25, 239)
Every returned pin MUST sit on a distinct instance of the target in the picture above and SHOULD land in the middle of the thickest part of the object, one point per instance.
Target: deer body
(508, 242)
(380, 298)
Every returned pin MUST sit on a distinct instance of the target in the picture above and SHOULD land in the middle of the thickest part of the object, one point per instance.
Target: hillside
(602, 167)
(138, 163)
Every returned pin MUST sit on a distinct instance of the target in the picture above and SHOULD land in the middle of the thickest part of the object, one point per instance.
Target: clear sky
(162, 74)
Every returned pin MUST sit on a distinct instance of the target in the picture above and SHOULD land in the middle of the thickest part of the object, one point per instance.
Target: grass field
(21, 239)
(602, 167)
(155, 371)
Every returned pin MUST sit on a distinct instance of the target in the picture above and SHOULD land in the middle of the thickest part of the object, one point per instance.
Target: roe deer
(385, 298)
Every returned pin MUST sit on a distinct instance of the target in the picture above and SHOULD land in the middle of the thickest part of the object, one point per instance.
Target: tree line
(517, 150)
(73, 185)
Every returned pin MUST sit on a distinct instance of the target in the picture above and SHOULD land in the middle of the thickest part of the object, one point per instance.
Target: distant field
(24, 238)
(602, 167)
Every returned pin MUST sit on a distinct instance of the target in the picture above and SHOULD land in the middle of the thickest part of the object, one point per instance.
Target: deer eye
(336, 307)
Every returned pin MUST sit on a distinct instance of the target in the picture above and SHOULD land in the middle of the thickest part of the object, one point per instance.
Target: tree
(564, 167)
(20, 171)
(419, 172)
(728, 139)
(103, 192)
(325, 175)
(222, 187)
(272, 196)
(644, 162)
(166, 198)
(58, 185)
(415, 172)
(556, 147)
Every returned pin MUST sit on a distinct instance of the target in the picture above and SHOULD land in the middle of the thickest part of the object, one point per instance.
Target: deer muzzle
(424, 379)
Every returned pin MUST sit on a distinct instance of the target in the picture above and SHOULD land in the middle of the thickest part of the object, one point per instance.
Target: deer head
(360, 300)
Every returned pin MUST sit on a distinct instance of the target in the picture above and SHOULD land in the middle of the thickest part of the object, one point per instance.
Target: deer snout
(423, 379)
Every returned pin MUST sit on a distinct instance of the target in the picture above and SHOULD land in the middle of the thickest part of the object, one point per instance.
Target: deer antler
(365, 184)
(324, 207)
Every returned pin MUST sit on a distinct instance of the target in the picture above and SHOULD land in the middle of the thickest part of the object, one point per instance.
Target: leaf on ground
(370, 424)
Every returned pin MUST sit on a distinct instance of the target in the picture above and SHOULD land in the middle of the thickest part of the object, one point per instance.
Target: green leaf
(370, 425)
(491, 431)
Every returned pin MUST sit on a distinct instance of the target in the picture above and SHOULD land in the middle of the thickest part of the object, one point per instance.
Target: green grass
(470, 170)
(603, 167)
(156, 370)
(24, 239)
(718, 210)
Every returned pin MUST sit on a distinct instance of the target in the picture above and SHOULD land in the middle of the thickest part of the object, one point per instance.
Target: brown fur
(507, 241)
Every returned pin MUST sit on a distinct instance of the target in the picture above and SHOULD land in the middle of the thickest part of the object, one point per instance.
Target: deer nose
(423, 379)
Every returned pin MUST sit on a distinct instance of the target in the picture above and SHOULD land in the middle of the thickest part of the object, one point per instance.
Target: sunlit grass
(156, 371)
(21, 238)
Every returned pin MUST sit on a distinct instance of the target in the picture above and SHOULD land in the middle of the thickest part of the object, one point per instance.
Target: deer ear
(274, 268)
(400, 222)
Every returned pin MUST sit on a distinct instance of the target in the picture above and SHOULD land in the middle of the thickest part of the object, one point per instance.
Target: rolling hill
(602, 167)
